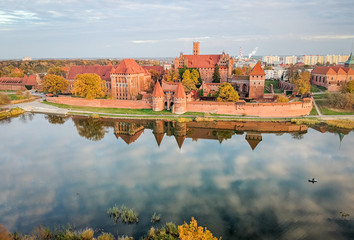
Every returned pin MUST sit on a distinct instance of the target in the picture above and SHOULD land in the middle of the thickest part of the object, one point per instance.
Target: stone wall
(105, 103)
(290, 109)
(12, 87)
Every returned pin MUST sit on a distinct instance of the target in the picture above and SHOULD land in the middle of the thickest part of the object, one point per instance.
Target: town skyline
(136, 29)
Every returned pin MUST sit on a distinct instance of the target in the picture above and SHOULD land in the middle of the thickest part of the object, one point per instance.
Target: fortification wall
(254, 109)
(12, 87)
(105, 103)
(290, 109)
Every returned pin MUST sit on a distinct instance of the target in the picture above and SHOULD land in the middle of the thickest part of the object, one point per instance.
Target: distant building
(271, 60)
(290, 60)
(20, 84)
(206, 64)
(102, 71)
(26, 59)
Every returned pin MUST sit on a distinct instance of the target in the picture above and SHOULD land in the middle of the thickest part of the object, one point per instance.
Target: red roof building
(129, 79)
(331, 77)
(19, 84)
(206, 64)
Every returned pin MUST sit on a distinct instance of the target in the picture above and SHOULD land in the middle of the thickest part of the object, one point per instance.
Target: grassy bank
(11, 113)
(321, 103)
(339, 123)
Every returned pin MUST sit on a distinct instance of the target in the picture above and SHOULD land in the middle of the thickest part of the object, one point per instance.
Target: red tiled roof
(158, 92)
(102, 71)
(30, 80)
(339, 70)
(180, 93)
(11, 80)
(324, 70)
(202, 61)
(129, 66)
(257, 70)
(158, 69)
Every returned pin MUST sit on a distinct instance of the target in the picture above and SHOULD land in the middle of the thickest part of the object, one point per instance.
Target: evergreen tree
(216, 74)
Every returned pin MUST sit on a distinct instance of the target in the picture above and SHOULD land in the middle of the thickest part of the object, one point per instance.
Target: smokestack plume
(253, 52)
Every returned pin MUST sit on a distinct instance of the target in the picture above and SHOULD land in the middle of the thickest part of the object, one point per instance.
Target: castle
(206, 64)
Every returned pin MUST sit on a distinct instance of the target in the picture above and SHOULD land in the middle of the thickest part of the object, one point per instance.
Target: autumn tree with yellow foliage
(171, 76)
(227, 93)
(189, 81)
(89, 85)
(193, 232)
(301, 82)
(54, 84)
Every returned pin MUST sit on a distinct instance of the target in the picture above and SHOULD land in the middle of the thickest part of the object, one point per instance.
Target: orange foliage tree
(89, 85)
(54, 84)
(193, 232)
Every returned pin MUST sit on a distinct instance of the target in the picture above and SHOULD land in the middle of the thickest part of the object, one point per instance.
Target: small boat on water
(312, 180)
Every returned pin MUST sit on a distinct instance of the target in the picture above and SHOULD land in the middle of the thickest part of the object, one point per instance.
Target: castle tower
(158, 98)
(257, 80)
(158, 131)
(180, 133)
(195, 48)
(253, 139)
(179, 100)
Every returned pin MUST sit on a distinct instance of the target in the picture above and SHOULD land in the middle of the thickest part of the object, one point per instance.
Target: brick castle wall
(105, 103)
(290, 109)
(12, 87)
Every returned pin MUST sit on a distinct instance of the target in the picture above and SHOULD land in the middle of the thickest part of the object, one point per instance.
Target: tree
(89, 85)
(350, 86)
(155, 75)
(193, 232)
(57, 71)
(227, 93)
(91, 128)
(301, 82)
(282, 98)
(187, 81)
(195, 76)
(4, 99)
(237, 71)
(268, 68)
(216, 74)
(54, 84)
(171, 76)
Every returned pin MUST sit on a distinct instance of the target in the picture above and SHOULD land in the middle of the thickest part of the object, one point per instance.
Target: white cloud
(327, 37)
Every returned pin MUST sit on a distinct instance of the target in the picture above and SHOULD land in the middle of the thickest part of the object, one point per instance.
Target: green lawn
(314, 89)
(15, 97)
(275, 85)
(313, 111)
(319, 96)
(325, 111)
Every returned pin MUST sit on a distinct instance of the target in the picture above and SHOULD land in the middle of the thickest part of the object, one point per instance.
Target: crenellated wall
(290, 109)
(105, 103)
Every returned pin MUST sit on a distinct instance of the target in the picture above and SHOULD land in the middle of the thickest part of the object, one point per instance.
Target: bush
(42, 233)
(282, 99)
(340, 100)
(203, 119)
(87, 234)
(106, 236)
(192, 231)
(4, 234)
(183, 120)
(4, 99)
(127, 215)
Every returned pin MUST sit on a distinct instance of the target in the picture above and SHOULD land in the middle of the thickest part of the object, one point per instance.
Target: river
(242, 180)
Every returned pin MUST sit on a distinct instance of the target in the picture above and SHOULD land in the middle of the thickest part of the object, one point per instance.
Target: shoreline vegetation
(168, 231)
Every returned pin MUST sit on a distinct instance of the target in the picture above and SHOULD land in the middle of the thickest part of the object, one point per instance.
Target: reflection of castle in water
(130, 130)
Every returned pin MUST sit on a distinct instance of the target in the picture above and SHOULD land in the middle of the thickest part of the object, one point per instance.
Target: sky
(160, 28)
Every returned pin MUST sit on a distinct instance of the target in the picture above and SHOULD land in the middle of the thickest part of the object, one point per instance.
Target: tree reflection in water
(90, 128)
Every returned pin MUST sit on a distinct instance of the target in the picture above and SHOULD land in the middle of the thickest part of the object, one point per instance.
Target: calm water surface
(242, 180)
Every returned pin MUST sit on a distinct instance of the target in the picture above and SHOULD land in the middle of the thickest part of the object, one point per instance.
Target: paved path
(317, 108)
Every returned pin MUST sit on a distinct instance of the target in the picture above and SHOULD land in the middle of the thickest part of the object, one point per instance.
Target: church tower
(195, 48)
(257, 80)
